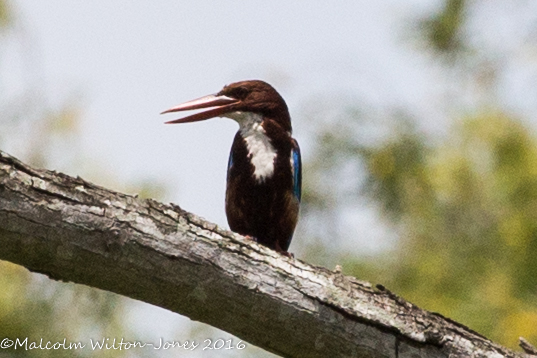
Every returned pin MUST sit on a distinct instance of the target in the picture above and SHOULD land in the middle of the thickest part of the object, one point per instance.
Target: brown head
(252, 96)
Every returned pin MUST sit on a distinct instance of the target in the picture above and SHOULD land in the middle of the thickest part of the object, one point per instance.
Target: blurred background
(417, 122)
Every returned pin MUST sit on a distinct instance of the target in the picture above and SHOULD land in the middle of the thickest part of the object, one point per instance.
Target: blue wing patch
(297, 171)
(230, 161)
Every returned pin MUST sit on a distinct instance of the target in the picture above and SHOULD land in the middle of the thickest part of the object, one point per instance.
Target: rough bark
(72, 230)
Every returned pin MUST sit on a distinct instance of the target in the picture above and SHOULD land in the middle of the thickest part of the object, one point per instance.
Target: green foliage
(5, 15)
(465, 210)
(467, 216)
(32, 306)
(442, 31)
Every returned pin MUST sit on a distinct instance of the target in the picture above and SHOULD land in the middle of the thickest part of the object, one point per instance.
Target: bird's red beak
(221, 104)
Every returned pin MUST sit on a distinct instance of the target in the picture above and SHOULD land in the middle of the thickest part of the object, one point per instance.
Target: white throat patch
(260, 150)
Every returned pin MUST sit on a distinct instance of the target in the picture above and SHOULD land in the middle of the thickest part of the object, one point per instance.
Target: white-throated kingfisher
(264, 175)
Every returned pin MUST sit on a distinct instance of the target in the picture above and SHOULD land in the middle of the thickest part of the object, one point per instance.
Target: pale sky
(128, 61)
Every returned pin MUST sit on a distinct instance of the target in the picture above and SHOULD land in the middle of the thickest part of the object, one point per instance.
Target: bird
(264, 171)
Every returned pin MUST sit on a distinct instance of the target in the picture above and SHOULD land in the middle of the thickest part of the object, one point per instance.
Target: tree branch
(72, 230)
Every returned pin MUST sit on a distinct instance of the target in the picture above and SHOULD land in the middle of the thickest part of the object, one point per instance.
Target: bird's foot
(277, 248)
(285, 253)
(249, 237)
(288, 254)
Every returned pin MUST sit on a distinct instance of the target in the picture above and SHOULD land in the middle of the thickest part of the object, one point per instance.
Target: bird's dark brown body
(264, 171)
(267, 210)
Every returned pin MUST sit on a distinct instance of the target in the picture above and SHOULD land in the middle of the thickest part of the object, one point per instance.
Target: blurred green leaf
(443, 30)
(5, 14)
(466, 213)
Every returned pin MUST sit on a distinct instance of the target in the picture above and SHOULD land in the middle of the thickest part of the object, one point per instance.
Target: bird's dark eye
(240, 92)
